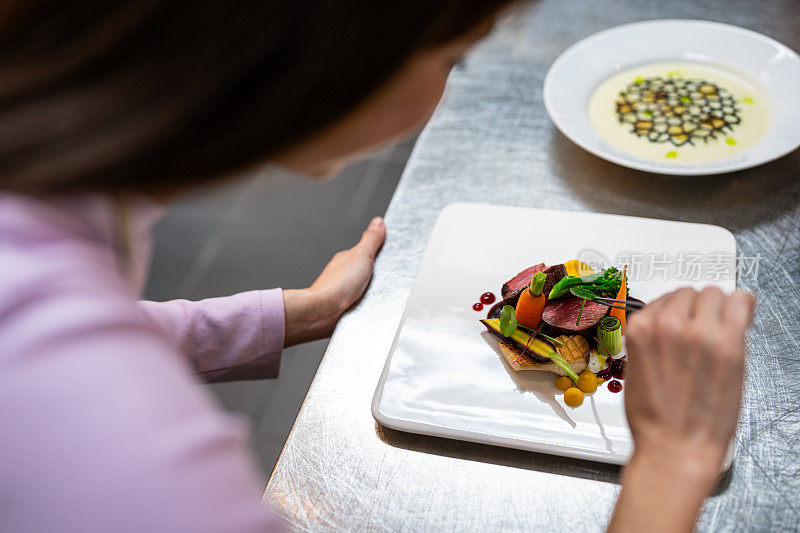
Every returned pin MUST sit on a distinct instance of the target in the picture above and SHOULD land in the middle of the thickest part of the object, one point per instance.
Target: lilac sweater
(104, 425)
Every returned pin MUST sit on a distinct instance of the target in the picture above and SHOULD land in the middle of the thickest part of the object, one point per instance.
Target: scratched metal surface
(491, 141)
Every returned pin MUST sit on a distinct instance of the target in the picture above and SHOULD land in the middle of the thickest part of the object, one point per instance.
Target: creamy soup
(679, 112)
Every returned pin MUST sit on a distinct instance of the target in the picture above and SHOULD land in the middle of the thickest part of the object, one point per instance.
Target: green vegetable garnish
(609, 336)
(521, 338)
(538, 333)
(563, 365)
(607, 281)
(537, 283)
(562, 287)
(551, 339)
(586, 294)
(638, 79)
(686, 99)
(591, 278)
(583, 292)
(508, 321)
(580, 313)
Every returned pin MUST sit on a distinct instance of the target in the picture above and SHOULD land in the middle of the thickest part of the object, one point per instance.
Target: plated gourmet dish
(679, 112)
(565, 319)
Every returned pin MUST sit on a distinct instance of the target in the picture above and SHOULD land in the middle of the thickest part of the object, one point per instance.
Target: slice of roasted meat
(560, 316)
(514, 286)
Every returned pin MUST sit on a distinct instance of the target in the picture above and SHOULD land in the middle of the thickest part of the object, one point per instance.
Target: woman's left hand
(312, 313)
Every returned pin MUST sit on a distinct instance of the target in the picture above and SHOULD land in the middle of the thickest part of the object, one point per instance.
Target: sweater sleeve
(105, 428)
(228, 338)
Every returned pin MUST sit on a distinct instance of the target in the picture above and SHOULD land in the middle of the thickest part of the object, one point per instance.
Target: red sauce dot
(477, 307)
(487, 298)
(614, 385)
(618, 370)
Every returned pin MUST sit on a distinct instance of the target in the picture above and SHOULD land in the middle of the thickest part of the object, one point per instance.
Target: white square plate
(444, 375)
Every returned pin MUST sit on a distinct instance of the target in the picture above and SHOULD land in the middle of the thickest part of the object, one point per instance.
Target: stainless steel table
(491, 141)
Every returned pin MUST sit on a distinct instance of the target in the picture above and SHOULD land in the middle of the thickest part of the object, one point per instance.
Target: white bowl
(768, 64)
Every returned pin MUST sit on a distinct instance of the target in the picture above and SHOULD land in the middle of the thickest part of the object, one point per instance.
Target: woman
(107, 109)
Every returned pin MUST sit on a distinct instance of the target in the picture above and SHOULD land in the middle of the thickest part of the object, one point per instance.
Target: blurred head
(148, 95)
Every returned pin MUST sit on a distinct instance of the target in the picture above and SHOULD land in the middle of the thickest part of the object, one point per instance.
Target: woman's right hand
(685, 370)
(683, 392)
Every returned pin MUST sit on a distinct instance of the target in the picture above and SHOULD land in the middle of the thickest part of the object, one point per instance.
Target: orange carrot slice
(529, 309)
(530, 305)
(621, 295)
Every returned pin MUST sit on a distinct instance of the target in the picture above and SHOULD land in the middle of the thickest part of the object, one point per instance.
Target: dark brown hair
(148, 94)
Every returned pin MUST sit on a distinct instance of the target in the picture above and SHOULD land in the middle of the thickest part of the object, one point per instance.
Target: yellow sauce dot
(672, 155)
(573, 397)
(587, 382)
(563, 383)
(747, 100)
(730, 141)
